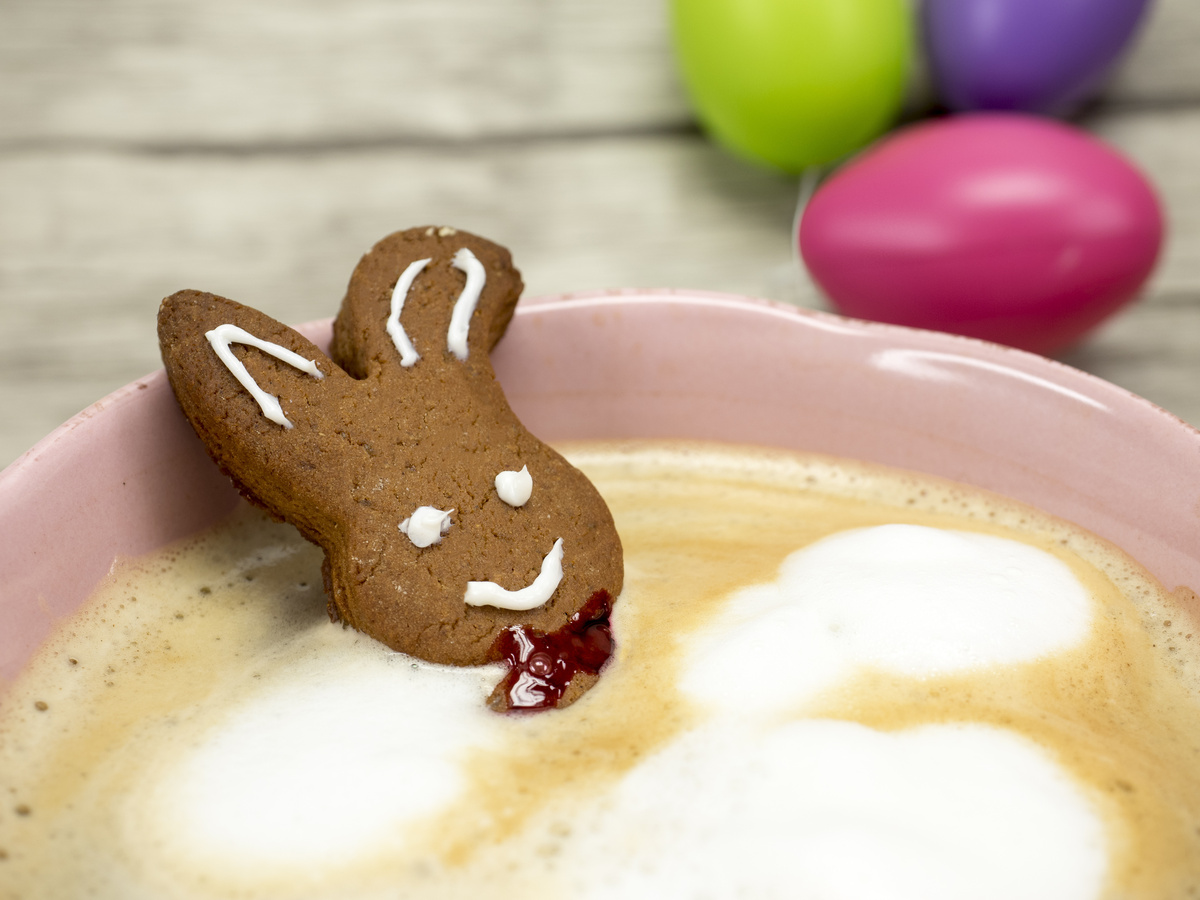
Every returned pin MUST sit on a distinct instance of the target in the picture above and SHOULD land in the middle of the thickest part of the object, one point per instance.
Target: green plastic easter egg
(794, 83)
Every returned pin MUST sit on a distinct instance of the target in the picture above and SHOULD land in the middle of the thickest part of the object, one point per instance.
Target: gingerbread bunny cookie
(450, 532)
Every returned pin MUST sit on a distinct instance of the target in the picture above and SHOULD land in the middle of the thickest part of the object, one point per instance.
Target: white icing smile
(488, 593)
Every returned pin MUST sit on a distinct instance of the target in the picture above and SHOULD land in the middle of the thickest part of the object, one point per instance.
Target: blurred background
(256, 150)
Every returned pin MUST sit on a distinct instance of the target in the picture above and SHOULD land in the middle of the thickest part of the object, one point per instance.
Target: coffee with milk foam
(830, 681)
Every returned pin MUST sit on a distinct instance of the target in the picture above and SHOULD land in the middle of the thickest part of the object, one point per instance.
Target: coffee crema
(829, 679)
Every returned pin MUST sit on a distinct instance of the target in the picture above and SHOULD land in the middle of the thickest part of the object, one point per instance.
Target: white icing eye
(426, 525)
(515, 488)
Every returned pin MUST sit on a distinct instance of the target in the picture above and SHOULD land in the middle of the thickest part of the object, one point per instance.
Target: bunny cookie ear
(247, 383)
(432, 294)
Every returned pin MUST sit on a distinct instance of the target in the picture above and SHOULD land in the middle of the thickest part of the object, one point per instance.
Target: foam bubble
(322, 766)
(826, 809)
(908, 599)
(209, 735)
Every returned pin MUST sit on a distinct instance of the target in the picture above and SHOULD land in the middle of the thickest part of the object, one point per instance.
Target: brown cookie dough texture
(372, 441)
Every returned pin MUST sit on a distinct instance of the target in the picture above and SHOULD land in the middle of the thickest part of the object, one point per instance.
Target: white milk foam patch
(315, 770)
(830, 809)
(907, 599)
(332, 762)
(827, 810)
(326, 765)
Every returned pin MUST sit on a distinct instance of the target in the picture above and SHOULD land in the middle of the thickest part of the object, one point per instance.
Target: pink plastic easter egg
(1006, 227)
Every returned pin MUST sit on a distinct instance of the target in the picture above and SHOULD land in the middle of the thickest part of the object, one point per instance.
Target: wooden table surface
(256, 150)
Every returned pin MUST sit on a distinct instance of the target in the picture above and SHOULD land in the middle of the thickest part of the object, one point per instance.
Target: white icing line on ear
(224, 335)
(488, 593)
(408, 353)
(426, 525)
(515, 488)
(464, 306)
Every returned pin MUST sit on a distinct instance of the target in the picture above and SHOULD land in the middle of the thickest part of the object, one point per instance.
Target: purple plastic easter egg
(1000, 226)
(1044, 56)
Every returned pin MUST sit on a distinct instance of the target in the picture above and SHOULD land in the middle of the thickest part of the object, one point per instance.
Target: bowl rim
(1011, 357)
(952, 407)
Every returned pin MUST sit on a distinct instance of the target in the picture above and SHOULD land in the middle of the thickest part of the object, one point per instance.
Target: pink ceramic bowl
(128, 475)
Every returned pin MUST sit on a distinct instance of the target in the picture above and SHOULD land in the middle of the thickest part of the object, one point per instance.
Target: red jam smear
(542, 665)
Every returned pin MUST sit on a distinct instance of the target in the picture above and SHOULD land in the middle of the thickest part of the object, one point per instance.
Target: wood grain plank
(1166, 145)
(1153, 350)
(176, 73)
(1163, 65)
(90, 241)
(224, 72)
